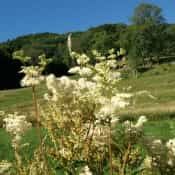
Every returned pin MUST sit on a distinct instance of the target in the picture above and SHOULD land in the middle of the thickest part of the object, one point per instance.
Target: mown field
(160, 109)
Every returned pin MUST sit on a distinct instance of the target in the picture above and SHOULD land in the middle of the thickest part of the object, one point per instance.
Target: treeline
(143, 43)
(146, 41)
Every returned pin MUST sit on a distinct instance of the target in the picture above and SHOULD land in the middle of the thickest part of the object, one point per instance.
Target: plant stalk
(36, 112)
(110, 149)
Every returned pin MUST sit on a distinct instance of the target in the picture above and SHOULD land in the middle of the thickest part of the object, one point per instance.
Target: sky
(21, 17)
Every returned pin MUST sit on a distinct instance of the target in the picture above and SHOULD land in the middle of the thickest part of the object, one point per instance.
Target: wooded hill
(145, 44)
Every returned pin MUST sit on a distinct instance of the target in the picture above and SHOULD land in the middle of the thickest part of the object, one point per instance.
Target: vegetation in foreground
(78, 129)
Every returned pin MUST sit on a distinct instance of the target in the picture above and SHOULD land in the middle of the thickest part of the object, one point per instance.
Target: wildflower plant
(162, 156)
(81, 112)
(80, 116)
(16, 125)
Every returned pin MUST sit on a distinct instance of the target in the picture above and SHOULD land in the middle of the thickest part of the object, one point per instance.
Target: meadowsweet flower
(83, 59)
(46, 97)
(128, 88)
(16, 125)
(97, 78)
(171, 146)
(110, 106)
(124, 95)
(157, 142)
(84, 84)
(129, 126)
(31, 81)
(85, 71)
(95, 52)
(65, 82)
(4, 166)
(118, 102)
(141, 121)
(86, 171)
(32, 76)
(148, 162)
(51, 83)
(74, 70)
(112, 63)
(111, 51)
(99, 67)
(127, 123)
(93, 95)
(112, 56)
(73, 54)
(102, 100)
(100, 58)
(121, 52)
(170, 162)
(114, 75)
(64, 152)
(105, 111)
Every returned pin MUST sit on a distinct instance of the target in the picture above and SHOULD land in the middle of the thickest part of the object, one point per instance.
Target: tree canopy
(146, 13)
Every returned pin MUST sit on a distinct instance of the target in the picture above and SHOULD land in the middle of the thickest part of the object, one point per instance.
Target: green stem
(36, 113)
(110, 149)
(18, 160)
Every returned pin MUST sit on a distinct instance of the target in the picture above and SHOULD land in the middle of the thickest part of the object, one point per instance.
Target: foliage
(83, 132)
(151, 40)
(147, 14)
(91, 118)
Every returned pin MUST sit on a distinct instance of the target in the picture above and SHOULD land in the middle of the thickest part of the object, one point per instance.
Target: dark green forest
(146, 41)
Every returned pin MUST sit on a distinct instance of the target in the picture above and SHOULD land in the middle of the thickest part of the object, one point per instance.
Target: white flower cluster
(98, 55)
(148, 162)
(64, 86)
(66, 153)
(81, 59)
(86, 171)
(32, 76)
(109, 106)
(103, 78)
(163, 153)
(88, 103)
(52, 87)
(171, 152)
(16, 125)
(84, 72)
(4, 167)
(171, 146)
(130, 126)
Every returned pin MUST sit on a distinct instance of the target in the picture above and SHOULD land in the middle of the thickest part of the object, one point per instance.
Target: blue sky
(19, 17)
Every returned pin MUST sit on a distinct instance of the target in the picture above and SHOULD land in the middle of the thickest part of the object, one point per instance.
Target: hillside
(145, 45)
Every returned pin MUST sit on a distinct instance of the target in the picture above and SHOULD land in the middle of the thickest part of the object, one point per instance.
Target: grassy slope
(18, 99)
(160, 82)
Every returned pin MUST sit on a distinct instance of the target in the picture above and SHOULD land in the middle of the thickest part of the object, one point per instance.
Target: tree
(147, 14)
